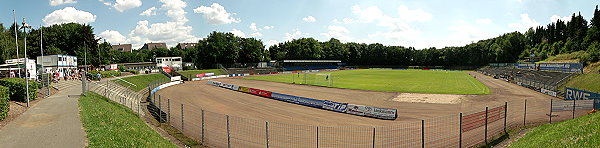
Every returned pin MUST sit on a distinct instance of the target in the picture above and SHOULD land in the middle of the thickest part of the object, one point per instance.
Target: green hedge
(4, 102)
(17, 88)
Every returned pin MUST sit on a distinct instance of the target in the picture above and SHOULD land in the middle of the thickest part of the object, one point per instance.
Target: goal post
(320, 79)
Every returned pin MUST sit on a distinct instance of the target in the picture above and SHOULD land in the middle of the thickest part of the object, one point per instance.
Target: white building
(174, 62)
(16, 64)
(58, 63)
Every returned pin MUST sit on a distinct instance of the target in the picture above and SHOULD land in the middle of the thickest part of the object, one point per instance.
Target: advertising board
(356, 109)
(244, 89)
(335, 106)
(576, 94)
(569, 67)
(259, 92)
(525, 65)
(298, 100)
(548, 92)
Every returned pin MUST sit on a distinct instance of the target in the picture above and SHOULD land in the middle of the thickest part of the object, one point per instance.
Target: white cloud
(149, 12)
(175, 9)
(60, 2)
(555, 18)
(417, 15)
(309, 19)
(268, 27)
(106, 3)
(122, 5)
(256, 34)
(485, 21)
(253, 27)
(525, 23)
(68, 15)
(465, 34)
(338, 32)
(296, 33)
(238, 33)
(216, 14)
(344, 21)
(113, 37)
(270, 43)
(168, 32)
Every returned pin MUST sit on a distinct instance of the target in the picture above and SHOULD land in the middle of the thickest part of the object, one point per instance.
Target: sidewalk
(53, 122)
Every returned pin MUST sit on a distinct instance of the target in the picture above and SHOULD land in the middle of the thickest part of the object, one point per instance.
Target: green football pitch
(413, 81)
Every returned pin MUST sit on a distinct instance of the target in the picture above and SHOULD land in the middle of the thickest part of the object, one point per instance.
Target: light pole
(42, 60)
(25, 26)
(17, 40)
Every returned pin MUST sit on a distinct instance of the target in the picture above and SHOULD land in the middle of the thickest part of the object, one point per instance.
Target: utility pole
(42, 60)
(84, 73)
(25, 26)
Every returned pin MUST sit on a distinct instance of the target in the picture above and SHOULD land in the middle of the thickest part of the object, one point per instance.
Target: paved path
(53, 122)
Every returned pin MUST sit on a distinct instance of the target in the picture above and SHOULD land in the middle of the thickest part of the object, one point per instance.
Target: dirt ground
(199, 95)
(18, 108)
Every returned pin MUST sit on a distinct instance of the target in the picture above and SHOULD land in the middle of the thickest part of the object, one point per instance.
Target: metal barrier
(469, 129)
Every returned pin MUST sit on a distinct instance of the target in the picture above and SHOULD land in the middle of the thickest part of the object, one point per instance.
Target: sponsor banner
(273, 72)
(335, 106)
(476, 120)
(165, 86)
(568, 105)
(201, 75)
(298, 100)
(548, 92)
(235, 87)
(597, 103)
(525, 65)
(576, 94)
(259, 92)
(569, 67)
(246, 74)
(356, 109)
(167, 69)
(176, 78)
(386, 113)
(244, 89)
(370, 111)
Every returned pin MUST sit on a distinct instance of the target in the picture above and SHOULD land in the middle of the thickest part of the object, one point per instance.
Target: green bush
(17, 88)
(132, 71)
(4, 102)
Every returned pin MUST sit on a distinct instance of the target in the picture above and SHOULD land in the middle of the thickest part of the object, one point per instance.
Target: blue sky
(420, 24)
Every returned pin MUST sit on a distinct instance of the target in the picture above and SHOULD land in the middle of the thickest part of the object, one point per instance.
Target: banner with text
(568, 67)
(576, 94)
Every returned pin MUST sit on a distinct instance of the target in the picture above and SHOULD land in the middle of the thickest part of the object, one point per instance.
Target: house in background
(185, 45)
(173, 62)
(151, 46)
(122, 47)
(64, 64)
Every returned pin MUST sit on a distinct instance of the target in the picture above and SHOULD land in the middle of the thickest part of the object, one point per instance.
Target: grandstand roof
(311, 61)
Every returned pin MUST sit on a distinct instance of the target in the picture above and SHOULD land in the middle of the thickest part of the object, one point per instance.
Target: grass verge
(414, 81)
(109, 124)
(579, 132)
(588, 81)
(193, 73)
(140, 81)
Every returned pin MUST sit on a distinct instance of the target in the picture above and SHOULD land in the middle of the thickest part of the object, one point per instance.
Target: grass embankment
(588, 81)
(193, 73)
(579, 132)
(109, 124)
(140, 81)
(414, 81)
(564, 58)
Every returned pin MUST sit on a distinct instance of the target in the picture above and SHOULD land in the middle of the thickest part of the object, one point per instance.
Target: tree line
(562, 36)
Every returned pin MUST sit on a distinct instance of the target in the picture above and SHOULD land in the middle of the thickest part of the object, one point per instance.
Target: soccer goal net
(321, 79)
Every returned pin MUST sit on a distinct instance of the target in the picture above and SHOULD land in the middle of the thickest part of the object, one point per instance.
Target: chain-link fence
(469, 129)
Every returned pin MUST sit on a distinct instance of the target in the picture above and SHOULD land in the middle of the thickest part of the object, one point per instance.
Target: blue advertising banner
(298, 100)
(576, 94)
(334, 106)
(597, 103)
(525, 65)
(569, 67)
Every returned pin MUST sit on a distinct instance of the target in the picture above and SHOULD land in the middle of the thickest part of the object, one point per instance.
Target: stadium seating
(532, 79)
(308, 67)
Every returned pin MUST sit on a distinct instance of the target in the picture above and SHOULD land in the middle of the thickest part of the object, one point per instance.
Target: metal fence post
(373, 137)
(317, 136)
(423, 133)
(525, 113)
(505, 110)
(573, 108)
(486, 124)
(267, 132)
(460, 130)
(169, 110)
(228, 133)
(550, 115)
(202, 125)
(182, 118)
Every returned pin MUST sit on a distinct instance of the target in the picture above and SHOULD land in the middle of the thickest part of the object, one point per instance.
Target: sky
(409, 23)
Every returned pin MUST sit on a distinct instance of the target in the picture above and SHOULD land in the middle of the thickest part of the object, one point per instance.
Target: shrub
(4, 102)
(132, 71)
(105, 74)
(17, 87)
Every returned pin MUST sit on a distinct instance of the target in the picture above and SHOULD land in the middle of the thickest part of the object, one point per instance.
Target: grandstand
(533, 79)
